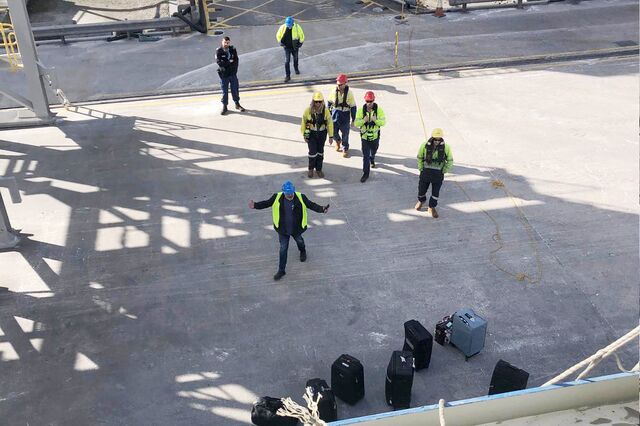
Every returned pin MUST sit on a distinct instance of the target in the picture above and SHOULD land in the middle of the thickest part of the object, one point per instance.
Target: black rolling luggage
(507, 378)
(327, 407)
(264, 410)
(347, 379)
(399, 380)
(442, 335)
(419, 341)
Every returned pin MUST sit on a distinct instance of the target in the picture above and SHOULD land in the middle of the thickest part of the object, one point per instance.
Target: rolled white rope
(594, 359)
(308, 416)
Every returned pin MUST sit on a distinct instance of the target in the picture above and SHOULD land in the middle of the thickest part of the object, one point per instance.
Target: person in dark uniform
(227, 60)
(289, 211)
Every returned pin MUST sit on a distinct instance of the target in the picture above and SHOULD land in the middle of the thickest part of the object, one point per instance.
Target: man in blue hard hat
(289, 211)
(290, 36)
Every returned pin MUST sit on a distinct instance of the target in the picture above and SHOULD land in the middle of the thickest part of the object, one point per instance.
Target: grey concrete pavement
(146, 294)
(98, 70)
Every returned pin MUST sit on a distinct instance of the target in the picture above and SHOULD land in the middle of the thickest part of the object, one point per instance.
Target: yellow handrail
(10, 45)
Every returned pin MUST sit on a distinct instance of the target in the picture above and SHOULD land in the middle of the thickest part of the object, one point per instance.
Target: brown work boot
(338, 149)
(345, 154)
(418, 205)
(310, 173)
(434, 212)
(320, 174)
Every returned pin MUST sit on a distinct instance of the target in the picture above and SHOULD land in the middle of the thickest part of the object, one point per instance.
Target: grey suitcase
(468, 331)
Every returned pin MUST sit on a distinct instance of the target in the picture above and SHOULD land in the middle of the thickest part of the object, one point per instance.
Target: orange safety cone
(439, 10)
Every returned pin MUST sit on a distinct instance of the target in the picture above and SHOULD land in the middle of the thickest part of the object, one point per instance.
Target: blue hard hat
(288, 21)
(288, 188)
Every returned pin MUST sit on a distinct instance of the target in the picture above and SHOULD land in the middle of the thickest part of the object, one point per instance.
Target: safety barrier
(107, 28)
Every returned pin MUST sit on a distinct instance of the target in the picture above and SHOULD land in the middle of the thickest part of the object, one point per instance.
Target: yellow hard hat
(437, 133)
(318, 96)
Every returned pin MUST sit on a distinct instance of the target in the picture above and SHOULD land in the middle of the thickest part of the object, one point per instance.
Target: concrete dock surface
(145, 295)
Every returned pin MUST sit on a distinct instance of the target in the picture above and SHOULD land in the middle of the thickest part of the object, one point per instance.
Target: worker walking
(227, 60)
(434, 160)
(369, 119)
(342, 106)
(290, 36)
(289, 220)
(316, 124)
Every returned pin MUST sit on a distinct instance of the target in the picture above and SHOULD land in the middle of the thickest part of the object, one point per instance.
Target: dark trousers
(433, 177)
(232, 81)
(316, 149)
(341, 131)
(369, 149)
(284, 248)
(287, 60)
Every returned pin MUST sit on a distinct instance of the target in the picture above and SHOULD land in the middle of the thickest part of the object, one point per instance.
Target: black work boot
(239, 107)
(279, 275)
(287, 79)
(364, 178)
(224, 110)
(303, 256)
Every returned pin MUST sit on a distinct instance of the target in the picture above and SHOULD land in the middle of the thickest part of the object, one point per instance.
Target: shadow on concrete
(159, 306)
(283, 118)
(377, 87)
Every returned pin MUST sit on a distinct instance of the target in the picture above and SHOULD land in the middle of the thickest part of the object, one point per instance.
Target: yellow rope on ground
(496, 183)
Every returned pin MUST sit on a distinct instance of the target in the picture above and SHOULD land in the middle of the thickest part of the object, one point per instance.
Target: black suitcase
(327, 407)
(442, 335)
(264, 410)
(347, 379)
(399, 381)
(507, 378)
(419, 341)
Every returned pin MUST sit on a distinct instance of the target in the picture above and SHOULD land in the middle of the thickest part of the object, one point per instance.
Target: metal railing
(464, 3)
(10, 45)
(107, 28)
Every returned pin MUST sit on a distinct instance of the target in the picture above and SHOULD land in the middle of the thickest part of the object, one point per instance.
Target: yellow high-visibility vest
(296, 33)
(275, 210)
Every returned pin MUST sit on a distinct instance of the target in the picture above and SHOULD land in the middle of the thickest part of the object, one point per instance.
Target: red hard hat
(369, 96)
(341, 79)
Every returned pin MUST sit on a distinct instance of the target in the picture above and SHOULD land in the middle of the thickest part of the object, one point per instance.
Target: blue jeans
(369, 149)
(287, 60)
(284, 248)
(235, 92)
(341, 131)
